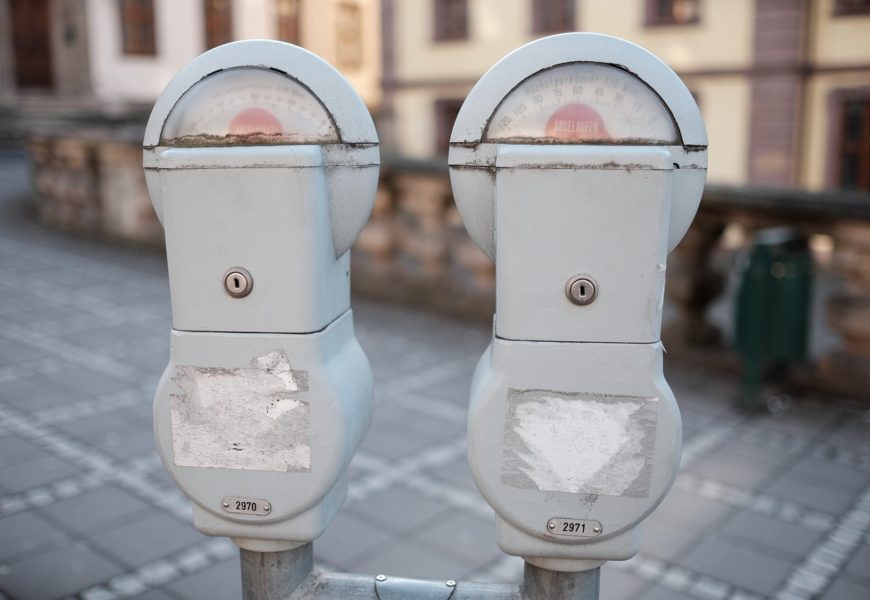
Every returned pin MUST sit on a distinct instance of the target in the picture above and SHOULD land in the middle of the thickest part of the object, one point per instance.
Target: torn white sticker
(579, 443)
(256, 419)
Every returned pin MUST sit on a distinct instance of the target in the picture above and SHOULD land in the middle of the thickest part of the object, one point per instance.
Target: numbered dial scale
(582, 103)
(248, 106)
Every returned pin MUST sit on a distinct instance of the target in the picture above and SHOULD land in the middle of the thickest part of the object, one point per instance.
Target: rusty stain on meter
(582, 103)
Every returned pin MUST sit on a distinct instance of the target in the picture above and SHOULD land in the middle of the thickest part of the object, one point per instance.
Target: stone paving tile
(456, 473)
(689, 508)
(219, 582)
(751, 570)
(26, 533)
(398, 509)
(466, 535)
(95, 511)
(144, 540)
(659, 593)
(56, 573)
(617, 585)
(665, 537)
(846, 590)
(823, 473)
(853, 435)
(810, 494)
(85, 427)
(412, 559)
(859, 565)
(788, 540)
(349, 537)
(26, 475)
(124, 443)
(14, 449)
(394, 443)
(158, 595)
(740, 465)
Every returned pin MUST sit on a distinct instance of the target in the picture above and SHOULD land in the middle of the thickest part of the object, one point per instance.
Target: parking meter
(577, 163)
(262, 165)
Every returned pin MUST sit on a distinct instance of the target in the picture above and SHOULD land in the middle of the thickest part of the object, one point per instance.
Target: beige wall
(254, 19)
(495, 28)
(69, 47)
(843, 39)
(498, 26)
(427, 70)
(725, 106)
(319, 35)
(722, 38)
(181, 37)
(118, 77)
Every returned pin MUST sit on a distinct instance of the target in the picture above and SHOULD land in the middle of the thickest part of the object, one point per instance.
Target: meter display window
(582, 103)
(248, 107)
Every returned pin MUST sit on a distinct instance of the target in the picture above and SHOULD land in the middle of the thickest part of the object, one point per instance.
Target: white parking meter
(262, 164)
(577, 163)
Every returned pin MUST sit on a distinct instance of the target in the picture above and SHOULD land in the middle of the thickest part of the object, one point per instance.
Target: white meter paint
(582, 103)
(577, 163)
(262, 163)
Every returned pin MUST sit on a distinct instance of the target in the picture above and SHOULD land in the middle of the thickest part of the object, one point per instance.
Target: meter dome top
(258, 92)
(634, 97)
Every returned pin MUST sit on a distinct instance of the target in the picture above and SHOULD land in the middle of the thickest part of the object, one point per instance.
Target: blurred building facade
(784, 85)
(125, 51)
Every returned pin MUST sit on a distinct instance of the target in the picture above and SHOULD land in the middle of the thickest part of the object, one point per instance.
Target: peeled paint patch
(256, 419)
(579, 443)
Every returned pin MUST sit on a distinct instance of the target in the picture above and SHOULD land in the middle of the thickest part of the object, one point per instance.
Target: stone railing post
(693, 284)
(422, 230)
(376, 242)
(848, 311)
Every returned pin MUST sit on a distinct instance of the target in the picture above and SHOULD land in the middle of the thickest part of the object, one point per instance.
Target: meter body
(577, 163)
(262, 164)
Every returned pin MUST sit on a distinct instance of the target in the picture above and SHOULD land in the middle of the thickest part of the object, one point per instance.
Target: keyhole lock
(581, 290)
(238, 282)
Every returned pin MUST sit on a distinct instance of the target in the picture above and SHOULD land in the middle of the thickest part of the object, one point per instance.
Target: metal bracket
(400, 588)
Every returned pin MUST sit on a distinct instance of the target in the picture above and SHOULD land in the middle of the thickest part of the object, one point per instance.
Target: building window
(348, 23)
(451, 20)
(552, 16)
(137, 27)
(852, 7)
(218, 22)
(290, 21)
(672, 12)
(855, 145)
(446, 110)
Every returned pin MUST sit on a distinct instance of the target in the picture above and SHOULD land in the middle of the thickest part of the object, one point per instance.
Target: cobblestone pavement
(765, 506)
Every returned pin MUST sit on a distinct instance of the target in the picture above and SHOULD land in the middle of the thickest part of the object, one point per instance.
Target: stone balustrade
(414, 248)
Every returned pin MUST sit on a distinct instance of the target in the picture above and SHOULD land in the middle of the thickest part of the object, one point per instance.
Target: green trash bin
(773, 307)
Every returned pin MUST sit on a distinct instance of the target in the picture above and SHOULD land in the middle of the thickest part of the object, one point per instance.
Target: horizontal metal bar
(290, 575)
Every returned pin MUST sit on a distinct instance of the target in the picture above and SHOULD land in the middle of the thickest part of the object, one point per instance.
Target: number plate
(246, 506)
(574, 527)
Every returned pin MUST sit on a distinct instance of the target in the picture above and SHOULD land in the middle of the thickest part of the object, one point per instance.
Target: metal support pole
(541, 584)
(275, 575)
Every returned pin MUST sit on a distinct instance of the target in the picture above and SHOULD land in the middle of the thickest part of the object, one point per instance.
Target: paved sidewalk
(765, 506)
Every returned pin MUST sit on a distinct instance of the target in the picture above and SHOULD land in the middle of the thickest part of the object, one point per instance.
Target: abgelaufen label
(579, 443)
(256, 419)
